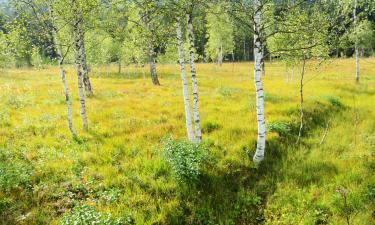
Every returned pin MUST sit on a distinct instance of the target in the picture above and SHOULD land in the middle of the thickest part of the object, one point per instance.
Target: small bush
(14, 175)
(281, 128)
(4, 118)
(185, 158)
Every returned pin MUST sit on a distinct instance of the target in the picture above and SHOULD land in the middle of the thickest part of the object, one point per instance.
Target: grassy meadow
(116, 170)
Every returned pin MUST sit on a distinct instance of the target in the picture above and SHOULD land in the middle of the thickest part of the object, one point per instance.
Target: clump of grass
(209, 127)
(185, 158)
(334, 101)
(228, 91)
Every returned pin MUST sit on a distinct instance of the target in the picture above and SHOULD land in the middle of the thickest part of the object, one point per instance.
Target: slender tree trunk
(65, 84)
(302, 115)
(220, 58)
(78, 61)
(198, 132)
(286, 73)
(185, 90)
(85, 68)
(154, 75)
(244, 49)
(258, 57)
(357, 67)
(119, 66)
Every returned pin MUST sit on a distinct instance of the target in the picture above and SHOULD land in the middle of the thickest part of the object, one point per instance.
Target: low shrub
(185, 158)
(282, 128)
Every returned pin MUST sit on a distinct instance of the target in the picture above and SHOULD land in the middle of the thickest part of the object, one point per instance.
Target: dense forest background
(113, 33)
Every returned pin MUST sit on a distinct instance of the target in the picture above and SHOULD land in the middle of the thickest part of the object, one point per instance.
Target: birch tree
(355, 24)
(189, 17)
(306, 36)
(79, 9)
(258, 57)
(44, 12)
(185, 90)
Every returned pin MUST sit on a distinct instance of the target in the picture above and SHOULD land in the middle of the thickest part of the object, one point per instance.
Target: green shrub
(87, 215)
(4, 118)
(185, 158)
(282, 128)
(14, 175)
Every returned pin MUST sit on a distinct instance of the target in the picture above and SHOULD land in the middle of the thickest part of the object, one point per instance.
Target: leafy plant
(185, 158)
(88, 215)
(280, 127)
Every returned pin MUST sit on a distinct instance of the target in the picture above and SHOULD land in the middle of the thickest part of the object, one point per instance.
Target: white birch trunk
(185, 90)
(302, 115)
(198, 132)
(357, 67)
(78, 61)
(258, 56)
(63, 79)
(86, 79)
(154, 75)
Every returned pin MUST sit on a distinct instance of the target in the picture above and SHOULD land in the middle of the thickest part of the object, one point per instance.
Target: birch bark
(78, 61)
(357, 66)
(198, 132)
(258, 56)
(185, 91)
(302, 115)
(86, 79)
(154, 75)
(63, 79)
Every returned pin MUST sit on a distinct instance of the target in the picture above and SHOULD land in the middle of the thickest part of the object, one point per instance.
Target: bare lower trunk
(185, 90)
(85, 68)
(302, 118)
(154, 75)
(258, 57)
(65, 84)
(78, 61)
(286, 73)
(357, 67)
(198, 132)
(119, 67)
(220, 58)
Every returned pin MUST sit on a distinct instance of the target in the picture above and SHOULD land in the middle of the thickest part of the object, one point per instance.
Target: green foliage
(219, 34)
(86, 215)
(185, 158)
(282, 128)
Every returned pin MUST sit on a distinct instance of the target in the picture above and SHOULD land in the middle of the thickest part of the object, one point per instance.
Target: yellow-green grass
(46, 173)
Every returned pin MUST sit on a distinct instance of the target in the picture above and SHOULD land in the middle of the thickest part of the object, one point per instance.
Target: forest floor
(115, 172)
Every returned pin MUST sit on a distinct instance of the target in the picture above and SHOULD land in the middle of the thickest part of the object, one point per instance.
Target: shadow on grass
(238, 194)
